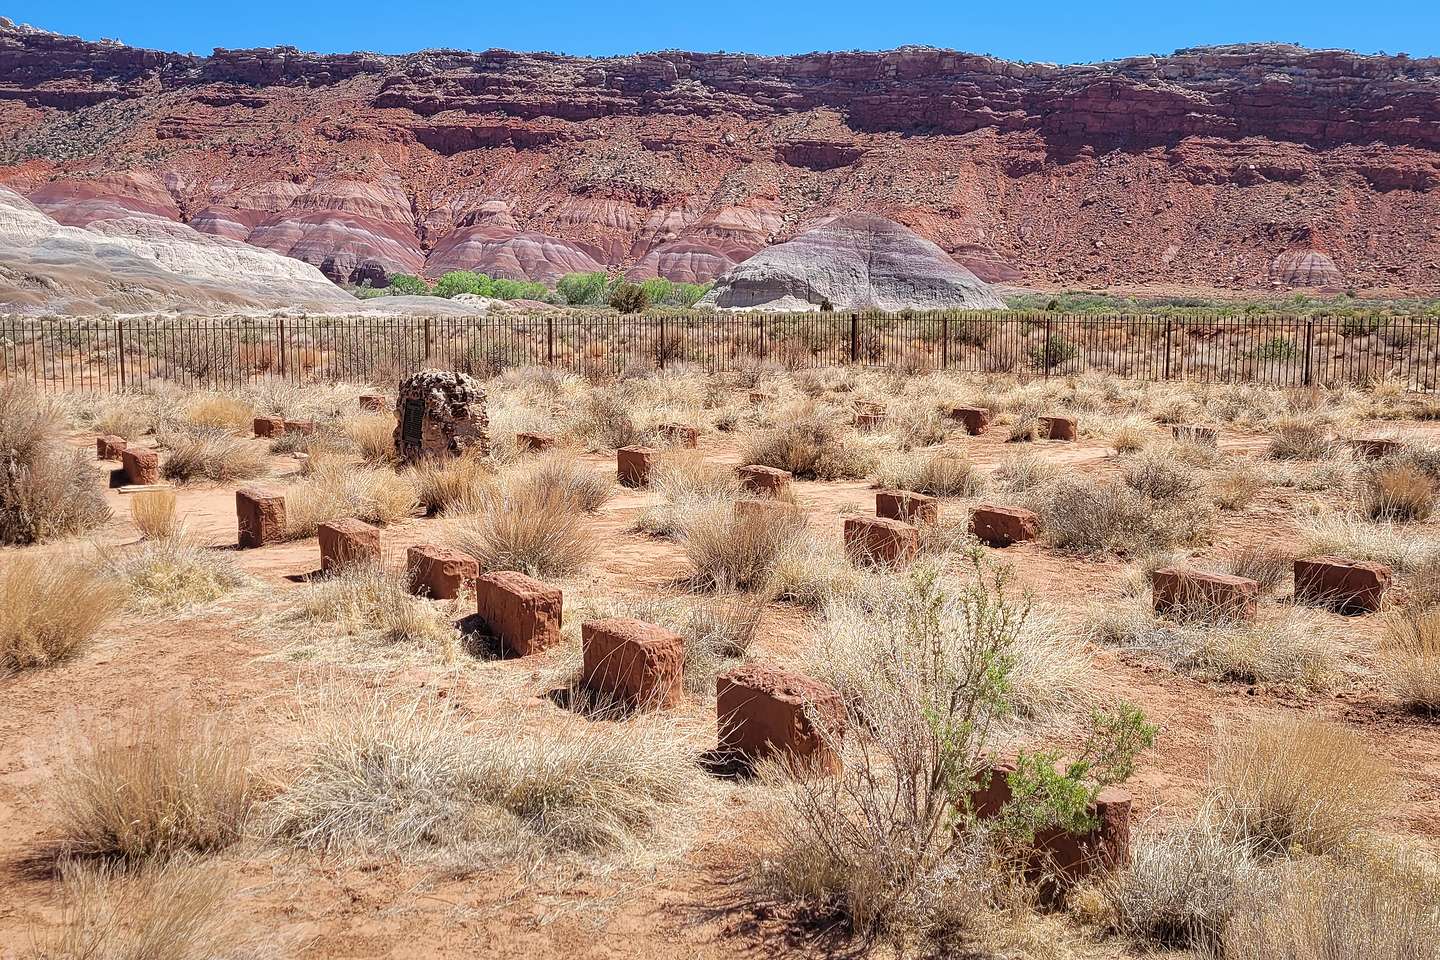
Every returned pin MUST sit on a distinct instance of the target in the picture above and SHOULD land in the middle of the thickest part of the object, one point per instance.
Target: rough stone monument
(440, 413)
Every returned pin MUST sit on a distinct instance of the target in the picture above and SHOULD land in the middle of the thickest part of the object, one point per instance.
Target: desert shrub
(417, 778)
(682, 487)
(213, 456)
(730, 552)
(812, 447)
(1368, 908)
(1297, 438)
(808, 571)
(169, 911)
(629, 298)
(50, 609)
(1398, 493)
(1082, 515)
(917, 425)
(452, 486)
(1236, 485)
(1021, 472)
(1300, 785)
(1160, 478)
(164, 787)
(47, 490)
(170, 573)
(941, 474)
(583, 289)
(606, 421)
(456, 282)
(214, 412)
(374, 437)
(370, 604)
(1268, 566)
(404, 284)
(559, 476)
(538, 532)
(336, 490)
(1053, 351)
(153, 513)
(1026, 427)
(1410, 655)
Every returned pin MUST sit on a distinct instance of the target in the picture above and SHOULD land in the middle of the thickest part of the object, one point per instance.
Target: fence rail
(107, 355)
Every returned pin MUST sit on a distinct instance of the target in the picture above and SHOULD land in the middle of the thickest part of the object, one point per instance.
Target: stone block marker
(759, 396)
(1001, 526)
(870, 406)
(633, 662)
(141, 467)
(764, 481)
(1059, 428)
(109, 448)
(372, 403)
(1375, 448)
(269, 426)
(769, 511)
(259, 517)
(1067, 857)
(975, 420)
(762, 711)
(633, 464)
(522, 613)
(347, 542)
(440, 413)
(680, 434)
(1195, 433)
(534, 441)
(1349, 586)
(1182, 591)
(438, 572)
(869, 422)
(302, 427)
(876, 540)
(906, 505)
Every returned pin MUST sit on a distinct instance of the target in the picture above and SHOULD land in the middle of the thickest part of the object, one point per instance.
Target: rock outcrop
(1193, 169)
(852, 262)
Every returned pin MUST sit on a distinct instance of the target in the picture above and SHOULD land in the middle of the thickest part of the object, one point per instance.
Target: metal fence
(106, 355)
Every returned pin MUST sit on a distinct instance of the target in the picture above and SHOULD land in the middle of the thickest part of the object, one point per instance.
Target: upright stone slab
(872, 407)
(534, 442)
(975, 420)
(142, 467)
(633, 662)
(1000, 526)
(763, 711)
(522, 613)
(259, 517)
(303, 427)
(440, 413)
(1198, 593)
(769, 511)
(269, 427)
(1195, 433)
(438, 572)
(372, 403)
(869, 422)
(679, 434)
(1349, 586)
(764, 481)
(906, 505)
(633, 465)
(346, 543)
(1375, 448)
(1059, 428)
(889, 543)
(109, 448)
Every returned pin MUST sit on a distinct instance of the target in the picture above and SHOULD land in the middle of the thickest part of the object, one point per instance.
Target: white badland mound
(135, 262)
(857, 261)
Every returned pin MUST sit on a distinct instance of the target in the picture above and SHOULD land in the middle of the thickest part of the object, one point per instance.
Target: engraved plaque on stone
(413, 423)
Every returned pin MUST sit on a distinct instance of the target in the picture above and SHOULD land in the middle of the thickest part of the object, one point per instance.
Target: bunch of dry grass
(50, 609)
(1398, 493)
(170, 911)
(682, 487)
(1023, 472)
(453, 486)
(1236, 485)
(559, 476)
(809, 571)
(166, 786)
(1410, 655)
(153, 513)
(171, 573)
(1330, 533)
(737, 552)
(412, 778)
(1268, 566)
(606, 421)
(1026, 427)
(1299, 785)
(525, 528)
(941, 474)
(1359, 908)
(1160, 478)
(813, 446)
(335, 490)
(369, 604)
(373, 436)
(1300, 438)
(1082, 515)
(47, 490)
(209, 455)
(218, 412)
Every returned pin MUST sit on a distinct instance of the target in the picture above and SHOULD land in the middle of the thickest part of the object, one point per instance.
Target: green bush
(583, 289)
(457, 282)
(1055, 351)
(629, 298)
(404, 284)
(1277, 348)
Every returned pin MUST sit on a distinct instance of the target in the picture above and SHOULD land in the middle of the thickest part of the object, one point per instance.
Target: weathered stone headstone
(440, 413)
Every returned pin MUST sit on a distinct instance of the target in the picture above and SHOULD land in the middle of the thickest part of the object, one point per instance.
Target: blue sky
(1065, 31)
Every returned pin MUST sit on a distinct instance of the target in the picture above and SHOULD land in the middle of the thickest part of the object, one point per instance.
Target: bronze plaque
(412, 425)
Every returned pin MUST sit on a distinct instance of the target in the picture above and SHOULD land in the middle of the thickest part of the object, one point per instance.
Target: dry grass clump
(50, 609)
(47, 490)
(1160, 478)
(1023, 472)
(416, 778)
(169, 911)
(453, 486)
(606, 421)
(1410, 656)
(1325, 532)
(940, 474)
(527, 528)
(167, 786)
(373, 436)
(335, 490)
(1300, 786)
(1083, 515)
(217, 412)
(368, 603)
(1236, 485)
(221, 457)
(561, 477)
(1356, 908)
(682, 487)
(153, 513)
(1398, 492)
(1268, 566)
(808, 571)
(1300, 438)
(731, 552)
(170, 573)
(812, 446)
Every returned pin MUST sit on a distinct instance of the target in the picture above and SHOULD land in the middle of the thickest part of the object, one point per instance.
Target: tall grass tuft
(153, 513)
(221, 457)
(536, 531)
(47, 490)
(50, 609)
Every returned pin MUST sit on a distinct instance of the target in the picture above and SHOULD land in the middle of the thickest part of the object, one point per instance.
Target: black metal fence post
(1309, 349)
(550, 340)
(282, 346)
(120, 348)
(944, 343)
(1045, 351)
(1167, 347)
(854, 338)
